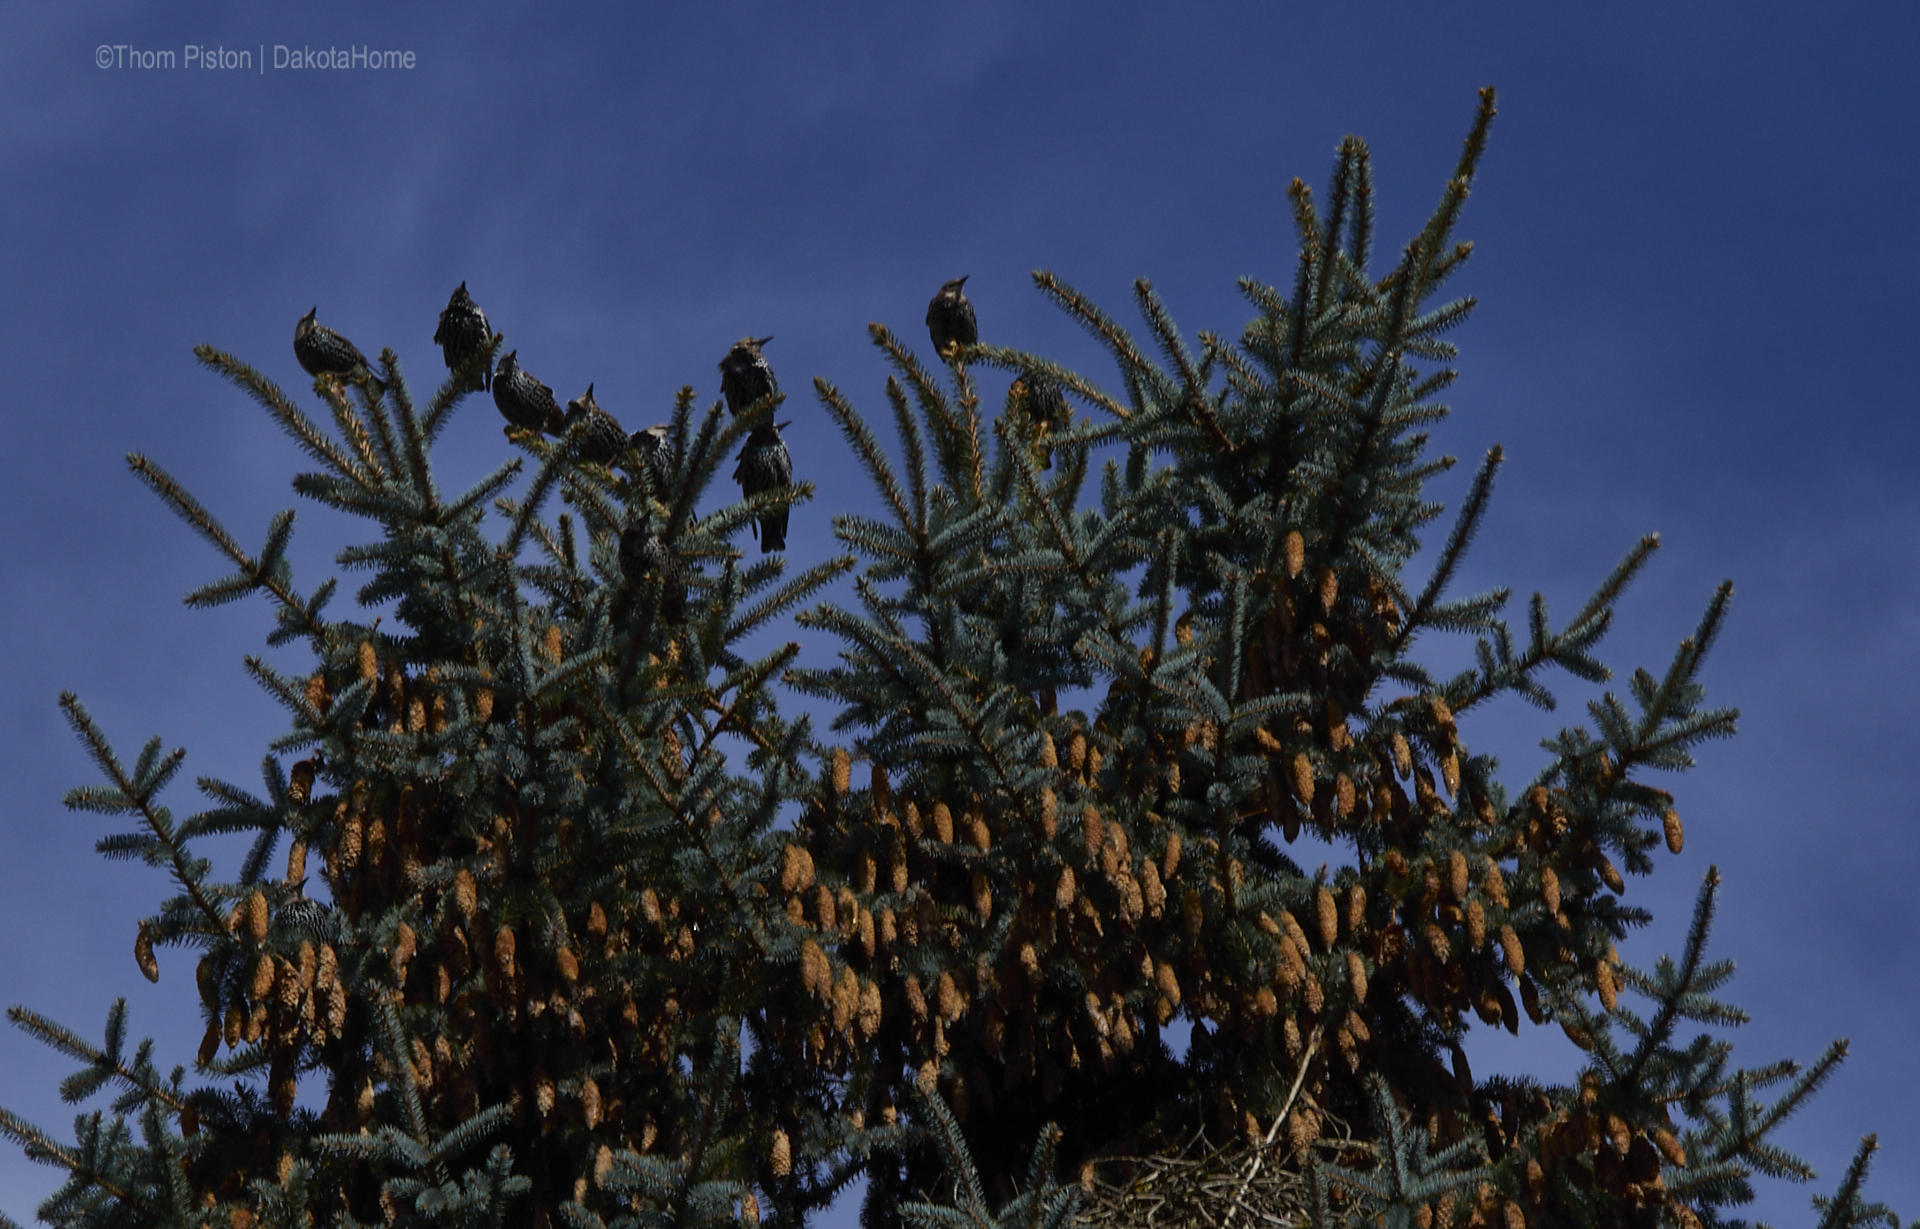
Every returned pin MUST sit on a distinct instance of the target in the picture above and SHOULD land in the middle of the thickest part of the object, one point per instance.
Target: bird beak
(763, 341)
(963, 281)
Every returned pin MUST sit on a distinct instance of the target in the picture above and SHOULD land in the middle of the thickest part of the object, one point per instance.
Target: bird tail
(773, 532)
(376, 386)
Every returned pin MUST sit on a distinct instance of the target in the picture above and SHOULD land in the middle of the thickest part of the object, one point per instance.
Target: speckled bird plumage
(307, 917)
(764, 465)
(1046, 410)
(321, 351)
(601, 439)
(524, 401)
(1046, 403)
(651, 444)
(950, 318)
(644, 554)
(745, 375)
(463, 332)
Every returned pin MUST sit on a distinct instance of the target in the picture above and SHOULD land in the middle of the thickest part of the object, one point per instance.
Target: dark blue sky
(1695, 256)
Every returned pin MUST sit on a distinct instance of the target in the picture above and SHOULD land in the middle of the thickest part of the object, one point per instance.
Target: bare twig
(1260, 1154)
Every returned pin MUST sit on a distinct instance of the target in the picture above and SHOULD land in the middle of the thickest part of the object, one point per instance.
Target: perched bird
(765, 465)
(745, 377)
(601, 439)
(323, 352)
(644, 554)
(524, 401)
(463, 333)
(1046, 403)
(950, 319)
(651, 445)
(306, 917)
(1046, 410)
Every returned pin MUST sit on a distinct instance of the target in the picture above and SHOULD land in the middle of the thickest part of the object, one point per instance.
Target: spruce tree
(550, 955)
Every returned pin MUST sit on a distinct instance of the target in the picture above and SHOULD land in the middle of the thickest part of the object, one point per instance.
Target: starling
(1046, 410)
(1046, 403)
(651, 445)
(745, 377)
(950, 319)
(601, 439)
(524, 401)
(463, 333)
(323, 352)
(765, 465)
(644, 554)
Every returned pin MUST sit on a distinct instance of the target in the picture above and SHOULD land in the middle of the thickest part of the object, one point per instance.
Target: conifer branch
(1677, 987)
(533, 792)
(138, 796)
(868, 449)
(353, 428)
(1339, 197)
(1844, 1209)
(796, 590)
(459, 382)
(956, 442)
(552, 470)
(1472, 510)
(374, 412)
(969, 416)
(909, 431)
(1441, 223)
(675, 803)
(1194, 398)
(102, 1064)
(310, 438)
(41, 1147)
(265, 572)
(189, 509)
(1097, 322)
(409, 1088)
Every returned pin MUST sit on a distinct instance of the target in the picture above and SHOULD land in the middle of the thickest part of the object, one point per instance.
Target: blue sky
(1695, 253)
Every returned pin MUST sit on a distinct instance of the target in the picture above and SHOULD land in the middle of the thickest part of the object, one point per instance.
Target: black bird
(601, 440)
(1046, 410)
(524, 401)
(651, 445)
(950, 319)
(323, 352)
(745, 377)
(1046, 402)
(765, 465)
(644, 554)
(463, 333)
